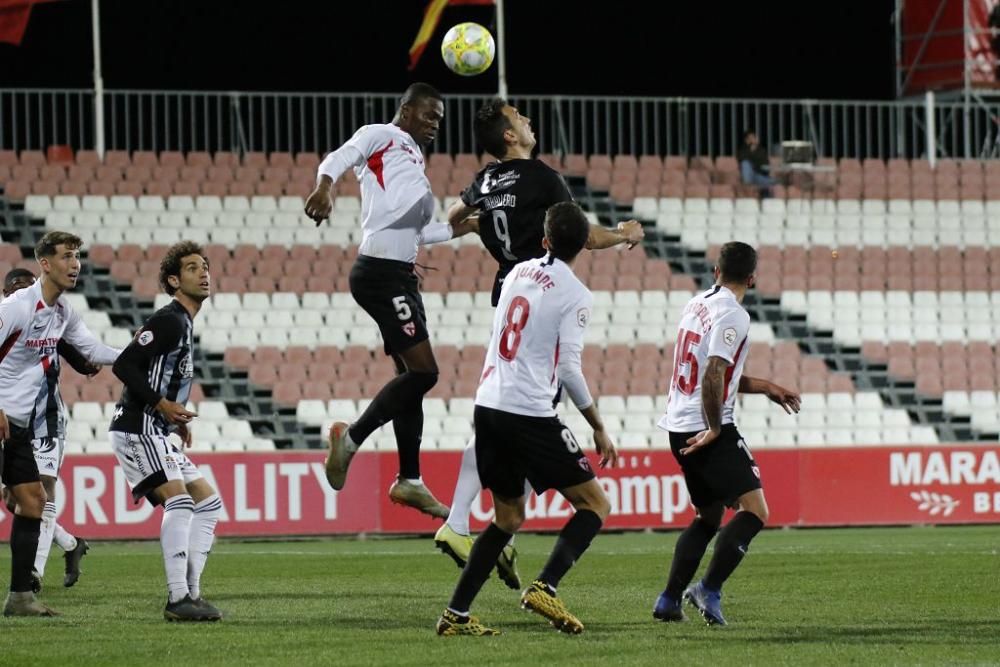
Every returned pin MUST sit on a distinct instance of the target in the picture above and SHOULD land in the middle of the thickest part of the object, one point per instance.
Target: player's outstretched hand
(789, 400)
(698, 441)
(4, 426)
(320, 203)
(632, 231)
(175, 413)
(185, 433)
(606, 448)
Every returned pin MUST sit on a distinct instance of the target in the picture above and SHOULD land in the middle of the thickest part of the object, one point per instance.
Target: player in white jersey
(512, 196)
(719, 470)
(396, 208)
(49, 451)
(536, 344)
(32, 322)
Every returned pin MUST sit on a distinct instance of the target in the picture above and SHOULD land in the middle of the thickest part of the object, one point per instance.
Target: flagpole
(98, 81)
(501, 52)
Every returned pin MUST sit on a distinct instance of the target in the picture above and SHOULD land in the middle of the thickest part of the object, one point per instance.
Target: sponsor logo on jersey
(186, 367)
(729, 335)
(145, 337)
(410, 329)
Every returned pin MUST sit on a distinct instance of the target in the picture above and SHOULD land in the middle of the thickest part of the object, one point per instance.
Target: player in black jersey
(506, 205)
(48, 457)
(507, 201)
(157, 369)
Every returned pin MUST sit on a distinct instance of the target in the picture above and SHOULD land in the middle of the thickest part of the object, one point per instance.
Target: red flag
(432, 15)
(14, 15)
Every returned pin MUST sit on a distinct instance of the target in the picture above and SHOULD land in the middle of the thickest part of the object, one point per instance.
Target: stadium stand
(890, 339)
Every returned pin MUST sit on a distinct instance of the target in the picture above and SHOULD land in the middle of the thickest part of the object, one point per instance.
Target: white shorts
(149, 461)
(48, 455)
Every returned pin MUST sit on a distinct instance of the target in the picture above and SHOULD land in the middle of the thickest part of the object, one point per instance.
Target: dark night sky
(779, 48)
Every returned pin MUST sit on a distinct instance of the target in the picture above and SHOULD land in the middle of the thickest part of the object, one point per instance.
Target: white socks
(467, 488)
(174, 531)
(202, 534)
(65, 541)
(45, 537)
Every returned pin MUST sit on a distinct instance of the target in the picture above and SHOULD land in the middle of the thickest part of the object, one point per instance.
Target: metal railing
(318, 122)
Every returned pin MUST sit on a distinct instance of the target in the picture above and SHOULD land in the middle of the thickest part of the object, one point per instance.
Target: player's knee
(761, 513)
(602, 507)
(597, 503)
(49, 486)
(509, 518)
(424, 381)
(707, 526)
(30, 500)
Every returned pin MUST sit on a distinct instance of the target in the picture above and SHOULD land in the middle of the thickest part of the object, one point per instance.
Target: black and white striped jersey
(158, 363)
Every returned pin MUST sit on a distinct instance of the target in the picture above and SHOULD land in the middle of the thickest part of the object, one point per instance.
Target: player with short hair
(157, 369)
(49, 452)
(32, 322)
(536, 345)
(397, 206)
(719, 470)
(511, 197)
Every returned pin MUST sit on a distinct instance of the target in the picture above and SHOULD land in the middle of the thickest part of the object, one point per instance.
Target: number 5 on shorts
(402, 308)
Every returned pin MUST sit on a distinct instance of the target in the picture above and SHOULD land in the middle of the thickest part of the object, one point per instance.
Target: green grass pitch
(889, 596)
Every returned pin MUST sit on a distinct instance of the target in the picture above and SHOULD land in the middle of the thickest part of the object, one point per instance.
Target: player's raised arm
(355, 152)
(601, 237)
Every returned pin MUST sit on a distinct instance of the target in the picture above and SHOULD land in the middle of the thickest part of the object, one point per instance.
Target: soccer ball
(468, 49)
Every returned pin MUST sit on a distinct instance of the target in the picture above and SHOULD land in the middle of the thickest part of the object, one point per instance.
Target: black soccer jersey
(157, 364)
(512, 197)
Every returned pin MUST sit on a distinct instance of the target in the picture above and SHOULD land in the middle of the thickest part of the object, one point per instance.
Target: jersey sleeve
(727, 333)
(573, 326)
(354, 152)
(14, 317)
(470, 196)
(158, 336)
(80, 337)
(558, 190)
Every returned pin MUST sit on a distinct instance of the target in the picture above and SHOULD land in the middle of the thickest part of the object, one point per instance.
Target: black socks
(574, 539)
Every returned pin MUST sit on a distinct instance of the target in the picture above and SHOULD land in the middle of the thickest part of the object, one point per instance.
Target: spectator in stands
(754, 166)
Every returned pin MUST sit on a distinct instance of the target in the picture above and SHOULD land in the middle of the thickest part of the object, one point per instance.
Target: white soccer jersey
(396, 198)
(713, 324)
(29, 363)
(537, 340)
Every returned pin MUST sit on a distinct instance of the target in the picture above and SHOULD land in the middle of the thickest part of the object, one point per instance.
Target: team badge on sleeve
(729, 335)
(582, 317)
(145, 338)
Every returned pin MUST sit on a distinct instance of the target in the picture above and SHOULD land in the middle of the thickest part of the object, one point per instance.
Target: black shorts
(19, 465)
(388, 291)
(720, 472)
(511, 448)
